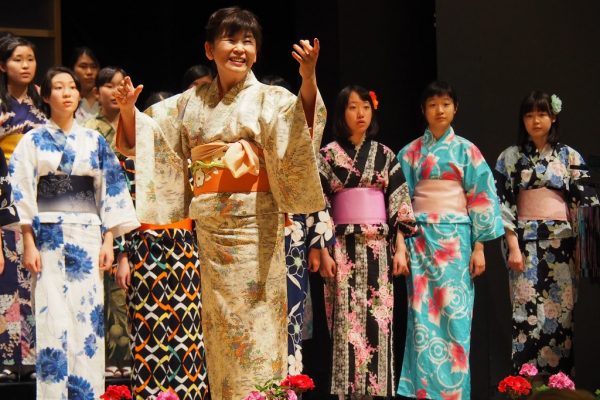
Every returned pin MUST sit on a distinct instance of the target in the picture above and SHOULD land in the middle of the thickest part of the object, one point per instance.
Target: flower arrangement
(287, 389)
(522, 385)
(121, 392)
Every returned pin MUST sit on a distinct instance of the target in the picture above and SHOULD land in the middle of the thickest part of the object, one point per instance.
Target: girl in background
(541, 183)
(366, 191)
(456, 208)
(72, 200)
(20, 111)
(86, 65)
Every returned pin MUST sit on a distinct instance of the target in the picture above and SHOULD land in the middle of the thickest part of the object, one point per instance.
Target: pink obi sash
(359, 206)
(542, 204)
(439, 196)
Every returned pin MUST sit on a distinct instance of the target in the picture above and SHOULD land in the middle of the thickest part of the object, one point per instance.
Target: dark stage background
(493, 52)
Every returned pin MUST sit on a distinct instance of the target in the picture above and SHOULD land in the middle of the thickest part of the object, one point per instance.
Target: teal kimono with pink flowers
(440, 287)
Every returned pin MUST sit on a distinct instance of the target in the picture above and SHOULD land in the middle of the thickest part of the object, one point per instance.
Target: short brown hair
(230, 21)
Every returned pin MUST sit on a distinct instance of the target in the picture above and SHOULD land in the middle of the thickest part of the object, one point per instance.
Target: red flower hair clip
(374, 99)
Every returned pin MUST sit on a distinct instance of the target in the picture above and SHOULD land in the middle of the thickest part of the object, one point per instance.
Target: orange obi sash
(221, 167)
(542, 204)
(185, 224)
(439, 196)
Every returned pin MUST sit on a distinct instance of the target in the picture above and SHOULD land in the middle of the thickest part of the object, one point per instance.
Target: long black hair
(340, 127)
(46, 86)
(8, 44)
(537, 100)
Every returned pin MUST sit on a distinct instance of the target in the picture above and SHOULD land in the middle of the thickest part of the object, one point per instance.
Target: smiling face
(234, 55)
(20, 66)
(64, 96)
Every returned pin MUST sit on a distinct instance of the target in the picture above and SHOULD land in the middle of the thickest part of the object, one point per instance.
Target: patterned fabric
(543, 296)
(86, 112)
(69, 290)
(240, 234)
(17, 327)
(69, 313)
(440, 288)
(118, 352)
(23, 116)
(359, 300)
(165, 315)
(296, 259)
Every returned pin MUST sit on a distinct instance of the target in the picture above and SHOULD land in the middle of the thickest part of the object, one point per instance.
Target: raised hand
(307, 55)
(126, 94)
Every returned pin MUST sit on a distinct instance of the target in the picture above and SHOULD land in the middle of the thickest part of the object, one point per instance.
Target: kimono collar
(430, 140)
(229, 97)
(530, 150)
(56, 130)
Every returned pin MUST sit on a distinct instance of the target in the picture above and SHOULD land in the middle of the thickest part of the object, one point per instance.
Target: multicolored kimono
(86, 111)
(440, 287)
(117, 349)
(240, 234)
(69, 187)
(164, 297)
(359, 300)
(17, 334)
(544, 295)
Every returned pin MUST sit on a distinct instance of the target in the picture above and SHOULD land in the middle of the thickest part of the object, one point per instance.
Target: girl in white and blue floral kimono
(72, 198)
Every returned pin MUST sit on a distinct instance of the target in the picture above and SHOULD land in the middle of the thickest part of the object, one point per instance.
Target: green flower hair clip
(556, 104)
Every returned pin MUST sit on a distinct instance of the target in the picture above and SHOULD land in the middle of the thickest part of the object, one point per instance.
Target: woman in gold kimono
(253, 149)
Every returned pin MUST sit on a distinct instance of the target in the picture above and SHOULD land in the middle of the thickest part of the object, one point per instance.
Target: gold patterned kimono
(240, 235)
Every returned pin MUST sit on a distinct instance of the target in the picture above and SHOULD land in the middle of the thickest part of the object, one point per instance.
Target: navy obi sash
(66, 193)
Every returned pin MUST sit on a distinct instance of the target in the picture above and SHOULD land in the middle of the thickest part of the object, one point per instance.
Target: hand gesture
(4, 116)
(307, 56)
(126, 95)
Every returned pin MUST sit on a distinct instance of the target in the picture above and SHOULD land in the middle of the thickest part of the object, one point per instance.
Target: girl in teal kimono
(456, 208)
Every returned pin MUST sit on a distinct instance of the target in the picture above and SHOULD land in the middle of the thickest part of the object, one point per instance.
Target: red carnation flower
(299, 383)
(515, 386)
(116, 392)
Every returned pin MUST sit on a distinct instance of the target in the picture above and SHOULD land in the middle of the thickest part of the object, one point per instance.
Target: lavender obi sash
(359, 206)
(439, 196)
(66, 193)
(541, 204)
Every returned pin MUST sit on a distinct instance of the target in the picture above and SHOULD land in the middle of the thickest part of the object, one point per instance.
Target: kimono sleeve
(482, 201)
(581, 193)
(23, 178)
(290, 155)
(8, 210)
(507, 197)
(319, 223)
(399, 209)
(117, 212)
(163, 193)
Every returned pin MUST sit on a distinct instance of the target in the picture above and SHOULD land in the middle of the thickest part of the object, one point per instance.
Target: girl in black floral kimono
(540, 184)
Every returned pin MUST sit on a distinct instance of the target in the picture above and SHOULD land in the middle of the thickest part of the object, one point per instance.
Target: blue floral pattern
(49, 236)
(51, 365)
(78, 263)
(97, 318)
(79, 388)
